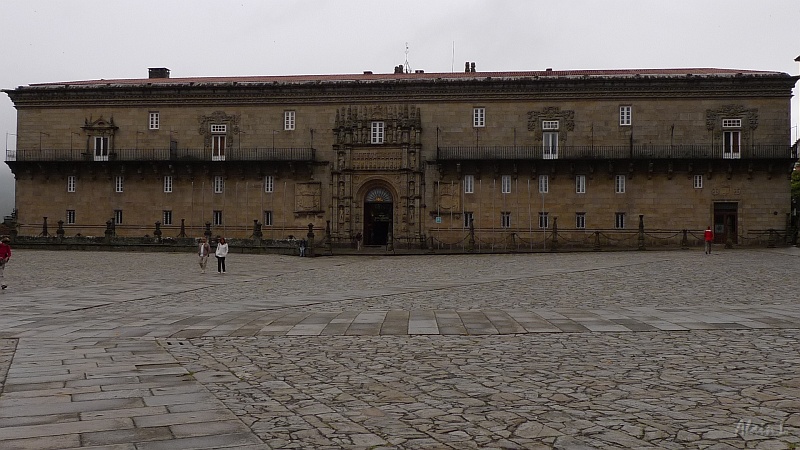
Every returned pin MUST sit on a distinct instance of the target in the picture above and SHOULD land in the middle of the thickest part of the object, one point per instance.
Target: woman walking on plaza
(221, 253)
(203, 251)
(5, 255)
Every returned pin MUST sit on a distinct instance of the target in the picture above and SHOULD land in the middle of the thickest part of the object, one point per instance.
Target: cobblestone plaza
(652, 349)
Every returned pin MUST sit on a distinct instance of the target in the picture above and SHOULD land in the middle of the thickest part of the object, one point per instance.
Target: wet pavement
(653, 349)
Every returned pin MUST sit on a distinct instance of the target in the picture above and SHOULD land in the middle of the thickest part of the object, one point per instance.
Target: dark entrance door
(377, 223)
(725, 222)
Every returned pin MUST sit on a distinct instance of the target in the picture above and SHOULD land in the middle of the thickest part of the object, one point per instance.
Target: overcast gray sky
(56, 40)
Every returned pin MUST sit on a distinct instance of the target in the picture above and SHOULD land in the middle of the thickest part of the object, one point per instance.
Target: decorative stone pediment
(714, 116)
(218, 118)
(100, 126)
(565, 118)
(402, 123)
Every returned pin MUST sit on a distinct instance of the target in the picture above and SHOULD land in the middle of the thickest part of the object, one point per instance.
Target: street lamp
(40, 138)
(72, 133)
(15, 147)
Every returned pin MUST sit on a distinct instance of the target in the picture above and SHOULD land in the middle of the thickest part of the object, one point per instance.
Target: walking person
(5, 255)
(203, 251)
(358, 241)
(221, 253)
(708, 237)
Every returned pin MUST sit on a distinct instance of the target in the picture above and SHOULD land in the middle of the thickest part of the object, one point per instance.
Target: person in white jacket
(221, 253)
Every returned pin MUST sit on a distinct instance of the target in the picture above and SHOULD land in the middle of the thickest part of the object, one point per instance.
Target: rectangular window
(267, 218)
(580, 184)
(625, 115)
(469, 184)
(478, 117)
(619, 220)
(269, 183)
(505, 184)
(217, 128)
(118, 183)
(217, 219)
(218, 141)
(219, 184)
(468, 217)
(580, 220)
(376, 135)
(153, 121)
(117, 217)
(550, 125)
(166, 218)
(550, 145)
(698, 182)
(505, 219)
(731, 123)
(288, 120)
(168, 183)
(101, 148)
(619, 184)
(731, 144)
(544, 221)
(71, 183)
(70, 217)
(544, 184)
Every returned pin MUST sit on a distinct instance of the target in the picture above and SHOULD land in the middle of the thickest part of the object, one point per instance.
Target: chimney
(158, 72)
(472, 67)
(398, 69)
(466, 66)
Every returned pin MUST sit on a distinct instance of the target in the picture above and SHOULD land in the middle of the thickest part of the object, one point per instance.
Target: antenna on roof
(407, 67)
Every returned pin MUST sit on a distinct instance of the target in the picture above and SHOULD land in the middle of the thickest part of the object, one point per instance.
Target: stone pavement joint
(588, 350)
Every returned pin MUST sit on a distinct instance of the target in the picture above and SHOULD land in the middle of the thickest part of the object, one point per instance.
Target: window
(267, 218)
(217, 219)
(153, 121)
(71, 183)
(731, 144)
(731, 139)
(269, 183)
(166, 218)
(580, 184)
(619, 184)
(505, 182)
(168, 183)
(619, 220)
(698, 182)
(468, 217)
(219, 184)
(376, 136)
(550, 125)
(544, 221)
(625, 115)
(117, 217)
(118, 183)
(550, 145)
(469, 184)
(218, 142)
(580, 220)
(544, 184)
(101, 148)
(505, 219)
(478, 117)
(70, 217)
(288, 120)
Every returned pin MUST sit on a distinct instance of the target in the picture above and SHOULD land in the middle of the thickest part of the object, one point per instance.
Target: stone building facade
(409, 158)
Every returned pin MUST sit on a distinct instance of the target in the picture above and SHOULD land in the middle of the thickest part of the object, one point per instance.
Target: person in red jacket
(708, 236)
(5, 255)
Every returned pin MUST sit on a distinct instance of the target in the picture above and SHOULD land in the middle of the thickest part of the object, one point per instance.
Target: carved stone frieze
(714, 116)
(219, 118)
(565, 118)
(308, 197)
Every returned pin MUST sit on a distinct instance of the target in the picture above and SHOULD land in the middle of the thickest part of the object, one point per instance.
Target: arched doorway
(378, 218)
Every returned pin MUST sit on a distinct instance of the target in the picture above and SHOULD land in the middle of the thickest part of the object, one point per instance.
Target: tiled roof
(370, 77)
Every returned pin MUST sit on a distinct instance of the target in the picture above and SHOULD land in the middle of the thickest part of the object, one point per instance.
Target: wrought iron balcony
(596, 152)
(162, 154)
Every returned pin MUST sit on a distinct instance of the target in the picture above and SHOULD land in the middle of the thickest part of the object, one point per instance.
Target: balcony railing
(163, 154)
(615, 152)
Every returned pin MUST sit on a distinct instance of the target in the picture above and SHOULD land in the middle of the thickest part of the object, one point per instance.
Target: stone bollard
(207, 232)
(685, 239)
(157, 232)
(596, 241)
(389, 242)
(554, 246)
(641, 232)
(771, 239)
(60, 231)
(310, 238)
(109, 231)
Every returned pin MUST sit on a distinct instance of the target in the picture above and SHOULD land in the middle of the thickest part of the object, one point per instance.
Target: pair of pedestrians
(204, 250)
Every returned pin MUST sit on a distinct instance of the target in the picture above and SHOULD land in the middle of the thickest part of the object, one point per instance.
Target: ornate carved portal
(377, 177)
